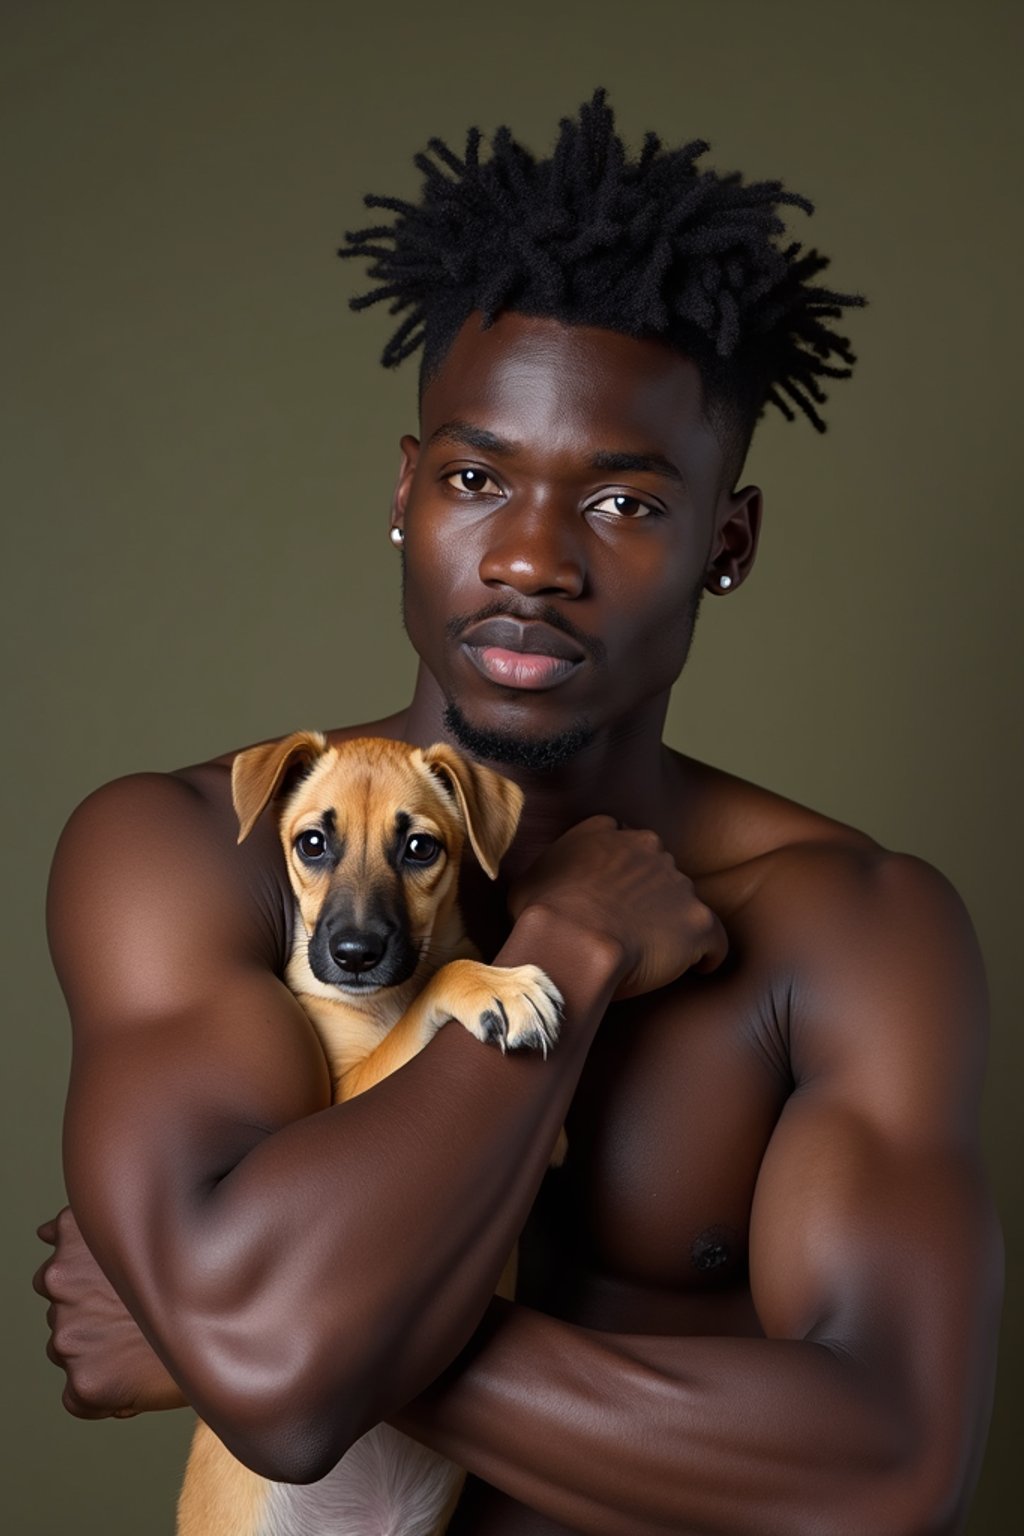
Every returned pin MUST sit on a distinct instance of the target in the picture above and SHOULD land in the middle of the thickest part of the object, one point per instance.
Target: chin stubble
(540, 755)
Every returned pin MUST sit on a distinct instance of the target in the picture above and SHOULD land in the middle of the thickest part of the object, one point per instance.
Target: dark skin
(762, 1295)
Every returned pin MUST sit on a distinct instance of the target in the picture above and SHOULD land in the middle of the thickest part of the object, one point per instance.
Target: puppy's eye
(311, 844)
(422, 848)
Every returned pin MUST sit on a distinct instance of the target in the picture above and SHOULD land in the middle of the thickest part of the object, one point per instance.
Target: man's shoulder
(134, 815)
(151, 850)
(873, 951)
(814, 891)
(732, 822)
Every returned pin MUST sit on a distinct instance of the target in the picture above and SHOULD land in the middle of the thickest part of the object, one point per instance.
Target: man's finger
(48, 1230)
(716, 948)
(81, 1410)
(597, 823)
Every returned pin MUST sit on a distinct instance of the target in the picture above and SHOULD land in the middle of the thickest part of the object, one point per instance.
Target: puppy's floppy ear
(257, 772)
(490, 805)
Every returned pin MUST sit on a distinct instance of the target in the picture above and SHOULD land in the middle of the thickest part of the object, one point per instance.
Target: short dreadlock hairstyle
(652, 247)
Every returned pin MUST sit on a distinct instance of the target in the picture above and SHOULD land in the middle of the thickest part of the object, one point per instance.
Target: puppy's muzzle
(361, 956)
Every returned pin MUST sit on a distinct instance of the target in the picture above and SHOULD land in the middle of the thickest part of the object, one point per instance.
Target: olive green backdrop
(199, 448)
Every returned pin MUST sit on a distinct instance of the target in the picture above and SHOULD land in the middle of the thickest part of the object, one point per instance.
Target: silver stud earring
(397, 537)
(725, 582)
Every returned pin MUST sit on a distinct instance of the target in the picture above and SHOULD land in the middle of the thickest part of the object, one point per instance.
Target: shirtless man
(762, 1295)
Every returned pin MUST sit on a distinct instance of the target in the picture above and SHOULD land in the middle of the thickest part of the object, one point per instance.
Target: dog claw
(495, 1027)
(542, 1030)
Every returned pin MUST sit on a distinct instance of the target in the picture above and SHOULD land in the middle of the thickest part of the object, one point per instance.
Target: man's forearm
(612, 1434)
(346, 1259)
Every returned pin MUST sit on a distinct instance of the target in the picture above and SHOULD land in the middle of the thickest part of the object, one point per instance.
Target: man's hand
(624, 885)
(111, 1371)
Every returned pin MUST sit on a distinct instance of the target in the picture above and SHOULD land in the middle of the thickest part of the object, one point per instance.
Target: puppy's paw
(513, 1007)
(526, 1012)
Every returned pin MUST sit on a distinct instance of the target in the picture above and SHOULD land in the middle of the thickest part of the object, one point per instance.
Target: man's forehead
(525, 380)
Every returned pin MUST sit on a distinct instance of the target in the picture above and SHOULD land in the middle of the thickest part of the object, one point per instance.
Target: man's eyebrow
(468, 436)
(633, 463)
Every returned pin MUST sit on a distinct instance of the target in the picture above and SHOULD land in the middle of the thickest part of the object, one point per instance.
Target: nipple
(713, 1248)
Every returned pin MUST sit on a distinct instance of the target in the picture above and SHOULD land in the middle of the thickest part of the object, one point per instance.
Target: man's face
(560, 513)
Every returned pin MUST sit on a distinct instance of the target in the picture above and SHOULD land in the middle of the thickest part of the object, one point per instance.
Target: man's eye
(630, 507)
(311, 844)
(422, 849)
(474, 480)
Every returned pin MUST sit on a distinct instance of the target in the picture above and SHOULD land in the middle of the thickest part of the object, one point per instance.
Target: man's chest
(647, 1222)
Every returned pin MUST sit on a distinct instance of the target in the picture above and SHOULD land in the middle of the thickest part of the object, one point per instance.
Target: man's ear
(490, 804)
(735, 542)
(257, 773)
(410, 447)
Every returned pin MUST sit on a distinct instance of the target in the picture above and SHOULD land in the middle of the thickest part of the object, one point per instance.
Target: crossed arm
(201, 1158)
(876, 1270)
(864, 1415)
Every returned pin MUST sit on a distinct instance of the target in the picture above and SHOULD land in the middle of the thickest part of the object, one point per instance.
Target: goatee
(514, 750)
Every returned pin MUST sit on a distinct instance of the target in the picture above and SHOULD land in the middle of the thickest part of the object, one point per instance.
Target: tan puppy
(373, 834)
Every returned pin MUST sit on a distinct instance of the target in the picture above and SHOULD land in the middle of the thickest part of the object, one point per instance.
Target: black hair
(652, 247)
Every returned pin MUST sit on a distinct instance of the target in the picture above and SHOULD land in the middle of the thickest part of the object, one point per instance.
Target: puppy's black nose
(357, 951)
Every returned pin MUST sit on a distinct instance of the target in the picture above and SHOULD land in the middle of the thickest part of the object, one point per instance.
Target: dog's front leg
(513, 1007)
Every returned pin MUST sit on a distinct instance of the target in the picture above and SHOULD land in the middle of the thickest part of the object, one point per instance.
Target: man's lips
(514, 635)
(518, 655)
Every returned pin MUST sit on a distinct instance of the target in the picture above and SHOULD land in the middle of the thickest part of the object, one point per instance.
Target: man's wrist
(549, 934)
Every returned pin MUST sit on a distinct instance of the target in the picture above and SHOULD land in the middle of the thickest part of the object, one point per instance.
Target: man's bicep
(872, 1246)
(158, 1114)
(873, 1230)
(186, 1047)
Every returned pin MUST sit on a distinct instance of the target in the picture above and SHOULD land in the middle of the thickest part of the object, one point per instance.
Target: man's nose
(536, 550)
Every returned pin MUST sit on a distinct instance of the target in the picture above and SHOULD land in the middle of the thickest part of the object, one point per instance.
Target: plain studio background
(200, 448)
